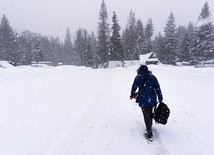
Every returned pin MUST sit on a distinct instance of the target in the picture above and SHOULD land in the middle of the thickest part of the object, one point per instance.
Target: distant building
(146, 59)
(183, 63)
(41, 64)
(208, 63)
(149, 58)
(6, 64)
(115, 64)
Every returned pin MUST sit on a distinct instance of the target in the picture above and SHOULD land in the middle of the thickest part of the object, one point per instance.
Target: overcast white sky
(52, 17)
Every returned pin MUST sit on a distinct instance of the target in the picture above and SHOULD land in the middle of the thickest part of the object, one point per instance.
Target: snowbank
(77, 110)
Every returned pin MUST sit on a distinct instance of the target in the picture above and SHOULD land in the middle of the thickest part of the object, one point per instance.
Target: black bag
(161, 113)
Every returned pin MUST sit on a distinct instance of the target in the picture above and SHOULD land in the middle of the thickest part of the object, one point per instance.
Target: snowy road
(81, 111)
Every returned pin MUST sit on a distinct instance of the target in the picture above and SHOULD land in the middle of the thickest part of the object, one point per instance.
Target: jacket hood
(143, 69)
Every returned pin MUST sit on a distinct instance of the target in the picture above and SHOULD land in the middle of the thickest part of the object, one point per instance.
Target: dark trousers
(148, 116)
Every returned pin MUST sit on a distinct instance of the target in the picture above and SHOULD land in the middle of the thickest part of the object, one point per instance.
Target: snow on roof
(148, 57)
(145, 56)
(113, 64)
(208, 61)
(5, 64)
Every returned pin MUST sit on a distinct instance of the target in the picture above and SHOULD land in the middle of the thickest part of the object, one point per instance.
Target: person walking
(148, 92)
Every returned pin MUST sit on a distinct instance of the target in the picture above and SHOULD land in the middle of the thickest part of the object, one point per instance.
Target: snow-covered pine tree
(116, 48)
(170, 40)
(67, 49)
(7, 41)
(35, 47)
(191, 43)
(103, 36)
(26, 42)
(92, 47)
(24, 51)
(140, 37)
(45, 43)
(69, 55)
(125, 41)
(205, 35)
(82, 47)
(159, 45)
(147, 48)
(56, 50)
(89, 52)
(181, 48)
(130, 39)
(38, 52)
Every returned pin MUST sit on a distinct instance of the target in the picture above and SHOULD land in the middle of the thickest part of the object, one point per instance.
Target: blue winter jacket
(149, 91)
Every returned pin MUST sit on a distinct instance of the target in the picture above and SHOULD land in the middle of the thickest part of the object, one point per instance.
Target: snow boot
(149, 136)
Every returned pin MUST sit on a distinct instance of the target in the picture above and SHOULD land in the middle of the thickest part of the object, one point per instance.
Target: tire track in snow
(85, 127)
(159, 147)
(109, 121)
(76, 137)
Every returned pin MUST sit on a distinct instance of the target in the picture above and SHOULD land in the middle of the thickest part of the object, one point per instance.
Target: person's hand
(131, 96)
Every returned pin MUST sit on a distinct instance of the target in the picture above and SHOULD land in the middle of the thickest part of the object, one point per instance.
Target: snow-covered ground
(81, 111)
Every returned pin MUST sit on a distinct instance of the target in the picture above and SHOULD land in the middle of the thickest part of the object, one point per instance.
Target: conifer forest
(193, 43)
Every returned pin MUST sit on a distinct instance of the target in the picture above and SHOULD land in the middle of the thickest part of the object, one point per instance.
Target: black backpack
(161, 113)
